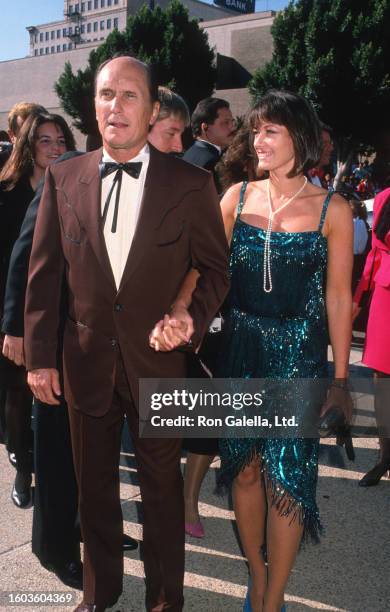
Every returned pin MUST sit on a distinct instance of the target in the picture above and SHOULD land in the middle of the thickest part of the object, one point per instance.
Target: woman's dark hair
(300, 119)
(239, 162)
(21, 162)
(382, 227)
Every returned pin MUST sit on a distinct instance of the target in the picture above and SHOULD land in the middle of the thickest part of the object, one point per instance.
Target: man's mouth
(117, 124)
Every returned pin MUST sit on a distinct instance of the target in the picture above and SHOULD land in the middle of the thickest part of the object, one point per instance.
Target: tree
(336, 53)
(176, 46)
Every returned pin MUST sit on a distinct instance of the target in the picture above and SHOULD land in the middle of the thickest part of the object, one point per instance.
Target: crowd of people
(256, 252)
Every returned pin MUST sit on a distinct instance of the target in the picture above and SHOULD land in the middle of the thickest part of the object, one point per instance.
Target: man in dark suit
(213, 129)
(125, 224)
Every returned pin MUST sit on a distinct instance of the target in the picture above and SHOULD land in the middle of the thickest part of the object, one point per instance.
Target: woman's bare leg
(250, 503)
(196, 469)
(283, 539)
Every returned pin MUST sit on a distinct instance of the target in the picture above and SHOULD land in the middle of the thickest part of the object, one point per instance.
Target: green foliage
(337, 54)
(173, 43)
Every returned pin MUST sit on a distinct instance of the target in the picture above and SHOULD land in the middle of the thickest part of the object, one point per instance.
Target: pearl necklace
(267, 280)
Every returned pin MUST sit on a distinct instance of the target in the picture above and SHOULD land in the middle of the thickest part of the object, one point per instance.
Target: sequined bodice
(298, 264)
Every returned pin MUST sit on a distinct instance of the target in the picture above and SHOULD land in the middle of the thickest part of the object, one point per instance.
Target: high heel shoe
(373, 476)
(247, 603)
(195, 529)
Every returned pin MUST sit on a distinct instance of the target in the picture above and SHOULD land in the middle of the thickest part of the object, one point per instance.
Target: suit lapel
(90, 210)
(155, 202)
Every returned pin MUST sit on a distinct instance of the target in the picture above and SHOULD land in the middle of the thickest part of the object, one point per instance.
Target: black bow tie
(106, 168)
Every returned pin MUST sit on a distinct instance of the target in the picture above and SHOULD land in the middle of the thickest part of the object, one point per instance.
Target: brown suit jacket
(179, 227)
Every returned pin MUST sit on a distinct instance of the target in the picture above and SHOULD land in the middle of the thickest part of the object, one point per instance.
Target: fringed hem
(228, 472)
(281, 499)
(286, 505)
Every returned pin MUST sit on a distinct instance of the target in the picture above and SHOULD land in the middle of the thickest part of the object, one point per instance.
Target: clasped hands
(173, 331)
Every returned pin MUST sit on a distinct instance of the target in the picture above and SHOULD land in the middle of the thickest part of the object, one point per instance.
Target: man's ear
(155, 112)
(204, 127)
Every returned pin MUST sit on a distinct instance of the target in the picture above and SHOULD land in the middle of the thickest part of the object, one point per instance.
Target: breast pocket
(170, 233)
(71, 228)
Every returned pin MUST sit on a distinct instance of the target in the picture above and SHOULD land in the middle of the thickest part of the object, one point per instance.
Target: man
(116, 234)
(16, 117)
(171, 122)
(213, 129)
(55, 528)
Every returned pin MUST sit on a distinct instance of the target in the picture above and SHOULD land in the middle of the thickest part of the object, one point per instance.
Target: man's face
(327, 149)
(166, 134)
(220, 132)
(124, 109)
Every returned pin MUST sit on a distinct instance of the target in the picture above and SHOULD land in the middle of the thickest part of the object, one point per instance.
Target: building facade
(93, 20)
(241, 43)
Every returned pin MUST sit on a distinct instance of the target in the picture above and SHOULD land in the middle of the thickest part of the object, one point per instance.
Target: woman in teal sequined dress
(277, 322)
(287, 237)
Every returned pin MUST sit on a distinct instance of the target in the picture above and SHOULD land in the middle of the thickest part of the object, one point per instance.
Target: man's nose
(116, 104)
(177, 144)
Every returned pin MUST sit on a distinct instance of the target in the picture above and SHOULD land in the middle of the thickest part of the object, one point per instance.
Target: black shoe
(373, 477)
(129, 543)
(70, 574)
(12, 459)
(21, 491)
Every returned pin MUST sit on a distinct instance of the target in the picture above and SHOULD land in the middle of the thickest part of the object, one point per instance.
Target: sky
(16, 15)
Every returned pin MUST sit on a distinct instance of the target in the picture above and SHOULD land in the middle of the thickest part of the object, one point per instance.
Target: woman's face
(274, 147)
(49, 144)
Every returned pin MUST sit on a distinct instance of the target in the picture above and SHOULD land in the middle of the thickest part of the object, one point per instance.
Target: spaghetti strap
(241, 200)
(324, 209)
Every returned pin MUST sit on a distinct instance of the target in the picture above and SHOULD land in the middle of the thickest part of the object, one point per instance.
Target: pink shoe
(195, 529)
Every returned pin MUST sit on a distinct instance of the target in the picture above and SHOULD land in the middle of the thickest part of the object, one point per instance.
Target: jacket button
(113, 342)
(118, 307)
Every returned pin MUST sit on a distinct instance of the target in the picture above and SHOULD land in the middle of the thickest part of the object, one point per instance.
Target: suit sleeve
(209, 252)
(42, 308)
(15, 291)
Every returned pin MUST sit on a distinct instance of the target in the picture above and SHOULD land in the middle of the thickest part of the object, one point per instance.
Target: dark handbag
(335, 422)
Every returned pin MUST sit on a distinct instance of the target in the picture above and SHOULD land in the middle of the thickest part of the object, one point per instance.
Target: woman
(43, 138)
(286, 237)
(376, 278)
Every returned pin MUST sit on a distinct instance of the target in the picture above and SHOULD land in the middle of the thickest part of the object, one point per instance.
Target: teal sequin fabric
(280, 335)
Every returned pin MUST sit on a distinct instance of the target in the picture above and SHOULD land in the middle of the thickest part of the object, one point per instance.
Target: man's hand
(45, 385)
(13, 349)
(173, 331)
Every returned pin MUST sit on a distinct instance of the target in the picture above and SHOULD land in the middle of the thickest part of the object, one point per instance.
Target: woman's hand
(13, 349)
(173, 330)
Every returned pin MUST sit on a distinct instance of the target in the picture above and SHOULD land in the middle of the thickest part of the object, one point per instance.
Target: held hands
(45, 385)
(173, 331)
(13, 349)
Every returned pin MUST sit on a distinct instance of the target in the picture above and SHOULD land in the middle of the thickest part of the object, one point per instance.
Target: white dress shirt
(219, 149)
(118, 244)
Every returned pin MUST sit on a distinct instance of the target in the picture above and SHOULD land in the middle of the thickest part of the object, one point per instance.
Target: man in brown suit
(124, 225)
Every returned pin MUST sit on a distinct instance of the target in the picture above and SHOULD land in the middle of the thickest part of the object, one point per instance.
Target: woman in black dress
(42, 139)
